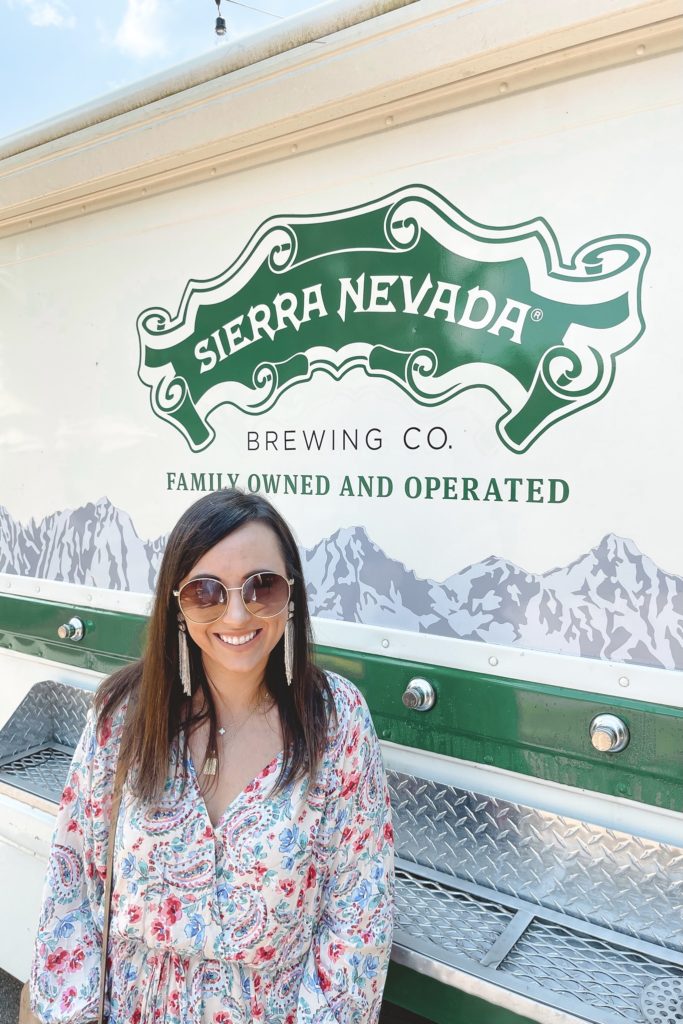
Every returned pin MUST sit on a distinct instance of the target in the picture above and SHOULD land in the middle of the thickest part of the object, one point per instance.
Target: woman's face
(236, 647)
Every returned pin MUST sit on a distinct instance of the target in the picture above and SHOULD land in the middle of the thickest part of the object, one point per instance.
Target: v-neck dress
(281, 913)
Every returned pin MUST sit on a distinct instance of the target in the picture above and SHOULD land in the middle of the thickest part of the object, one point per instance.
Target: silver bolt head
(419, 695)
(609, 734)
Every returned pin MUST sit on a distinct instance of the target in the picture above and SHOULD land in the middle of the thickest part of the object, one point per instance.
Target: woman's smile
(237, 640)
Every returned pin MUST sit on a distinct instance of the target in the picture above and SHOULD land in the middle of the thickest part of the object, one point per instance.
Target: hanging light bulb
(220, 22)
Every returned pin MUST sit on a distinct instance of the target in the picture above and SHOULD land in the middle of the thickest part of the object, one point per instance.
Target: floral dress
(279, 914)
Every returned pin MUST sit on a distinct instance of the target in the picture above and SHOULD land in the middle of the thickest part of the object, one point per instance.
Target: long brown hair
(158, 711)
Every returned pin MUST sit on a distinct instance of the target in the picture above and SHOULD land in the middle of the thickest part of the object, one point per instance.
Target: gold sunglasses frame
(228, 590)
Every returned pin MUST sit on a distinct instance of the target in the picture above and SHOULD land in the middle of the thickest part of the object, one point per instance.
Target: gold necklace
(211, 762)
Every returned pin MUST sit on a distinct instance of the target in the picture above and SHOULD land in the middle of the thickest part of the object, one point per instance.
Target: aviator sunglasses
(265, 595)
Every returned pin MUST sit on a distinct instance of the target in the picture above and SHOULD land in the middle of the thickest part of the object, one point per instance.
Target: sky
(58, 54)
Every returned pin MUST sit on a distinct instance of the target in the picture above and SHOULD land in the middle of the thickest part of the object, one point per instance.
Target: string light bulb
(221, 27)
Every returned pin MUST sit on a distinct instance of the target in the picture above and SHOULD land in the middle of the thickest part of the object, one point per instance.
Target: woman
(253, 856)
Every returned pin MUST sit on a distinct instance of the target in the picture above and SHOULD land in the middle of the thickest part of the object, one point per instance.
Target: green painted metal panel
(112, 639)
(528, 728)
(440, 1003)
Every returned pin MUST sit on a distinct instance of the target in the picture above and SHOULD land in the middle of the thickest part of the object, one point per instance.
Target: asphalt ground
(10, 989)
(9, 998)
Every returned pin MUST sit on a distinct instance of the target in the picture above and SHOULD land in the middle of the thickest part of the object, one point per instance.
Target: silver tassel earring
(289, 645)
(184, 658)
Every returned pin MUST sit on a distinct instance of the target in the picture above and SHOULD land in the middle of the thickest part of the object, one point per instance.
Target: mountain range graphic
(612, 603)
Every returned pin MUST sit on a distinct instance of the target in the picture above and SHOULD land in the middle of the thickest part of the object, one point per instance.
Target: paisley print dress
(279, 914)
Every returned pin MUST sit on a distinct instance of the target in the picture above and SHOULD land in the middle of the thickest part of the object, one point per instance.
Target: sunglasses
(265, 594)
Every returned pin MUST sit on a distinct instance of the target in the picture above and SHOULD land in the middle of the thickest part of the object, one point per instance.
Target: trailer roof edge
(298, 30)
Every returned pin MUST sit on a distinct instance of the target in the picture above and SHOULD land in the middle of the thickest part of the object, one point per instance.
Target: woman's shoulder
(350, 708)
(103, 731)
(347, 697)
(110, 708)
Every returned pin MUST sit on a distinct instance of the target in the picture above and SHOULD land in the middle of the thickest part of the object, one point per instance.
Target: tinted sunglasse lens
(203, 600)
(264, 594)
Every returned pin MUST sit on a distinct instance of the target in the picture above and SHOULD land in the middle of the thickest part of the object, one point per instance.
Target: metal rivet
(640, 50)
(213, 170)
(385, 643)
(389, 120)
(493, 662)
(624, 681)
(503, 87)
(294, 147)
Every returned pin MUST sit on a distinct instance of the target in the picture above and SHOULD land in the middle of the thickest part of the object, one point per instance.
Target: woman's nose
(234, 609)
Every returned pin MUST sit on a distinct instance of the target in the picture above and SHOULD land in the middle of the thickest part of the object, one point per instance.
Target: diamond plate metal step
(38, 740)
(552, 959)
(41, 771)
(597, 875)
(536, 911)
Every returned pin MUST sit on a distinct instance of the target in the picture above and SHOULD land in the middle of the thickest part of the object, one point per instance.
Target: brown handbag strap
(108, 883)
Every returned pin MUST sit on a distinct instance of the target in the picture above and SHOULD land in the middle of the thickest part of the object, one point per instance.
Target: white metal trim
(26, 828)
(57, 671)
(75, 594)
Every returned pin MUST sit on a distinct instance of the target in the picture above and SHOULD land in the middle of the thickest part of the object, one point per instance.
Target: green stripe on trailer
(112, 639)
(532, 729)
(529, 728)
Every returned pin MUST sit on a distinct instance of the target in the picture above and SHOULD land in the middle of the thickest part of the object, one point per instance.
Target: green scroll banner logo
(409, 289)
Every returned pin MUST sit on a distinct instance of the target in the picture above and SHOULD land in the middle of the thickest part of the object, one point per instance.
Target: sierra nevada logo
(409, 289)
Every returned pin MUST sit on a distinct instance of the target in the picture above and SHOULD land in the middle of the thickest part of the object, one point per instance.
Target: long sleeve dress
(279, 914)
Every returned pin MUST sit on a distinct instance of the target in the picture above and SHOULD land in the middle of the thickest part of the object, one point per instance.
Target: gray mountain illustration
(612, 603)
(96, 545)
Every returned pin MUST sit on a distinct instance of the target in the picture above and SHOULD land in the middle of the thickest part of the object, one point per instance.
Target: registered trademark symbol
(537, 314)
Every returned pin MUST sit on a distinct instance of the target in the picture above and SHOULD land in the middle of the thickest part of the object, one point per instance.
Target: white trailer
(410, 269)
